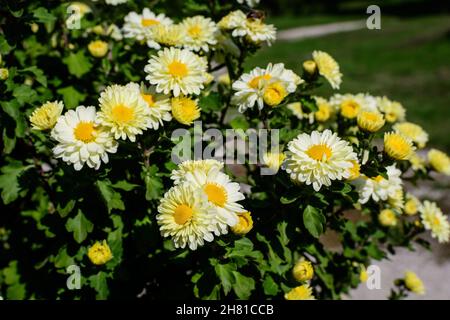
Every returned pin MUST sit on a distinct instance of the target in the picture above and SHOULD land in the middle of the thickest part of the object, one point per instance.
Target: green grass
(407, 60)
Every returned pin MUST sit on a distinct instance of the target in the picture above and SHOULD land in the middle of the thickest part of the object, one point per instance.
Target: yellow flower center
(319, 152)
(178, 69)
(195, 31)
(122, 114)
(85, 132)
(185, 110)
(378, 178)
(349, 109)
(254, 83)
(216, 194)
(149, 99)
(397, 147)
(149, 22)
(436, 221)
(182, 214)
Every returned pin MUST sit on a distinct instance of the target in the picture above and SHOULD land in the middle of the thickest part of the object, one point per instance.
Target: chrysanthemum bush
(90, 95)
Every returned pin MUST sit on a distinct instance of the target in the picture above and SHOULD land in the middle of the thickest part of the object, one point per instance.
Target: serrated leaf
(38, 73)
(225, 274)
(77, 63)
(99, 283)
(9, 180)
(112, 198)
(124, 185)
(270, 287)
(80, 226)
(42, 15)
(62, 260)
(314, 221)
(211, 102)
(243, 286)
(71, 96)
(153, 184)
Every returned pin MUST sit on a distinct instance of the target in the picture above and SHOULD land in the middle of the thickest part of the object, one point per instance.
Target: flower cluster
(202, 204)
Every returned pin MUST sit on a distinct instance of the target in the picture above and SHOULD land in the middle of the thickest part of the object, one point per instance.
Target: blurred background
(408, 60)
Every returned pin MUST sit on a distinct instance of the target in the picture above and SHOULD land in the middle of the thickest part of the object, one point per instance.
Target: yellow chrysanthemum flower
(185, 110)
(412, 205)
(98, 48)
(397, 146)
(303, 271)
(417, 162)
(396, 199)
(439, 161)
(324, 110)
(244, 225)
(124, 111)
(393, 110)
(45, 117)
(370, 121)
(328, 68)
(168, 35)
(274, 93)
(413, 283)
(434, 220)
(100, 253)
(387, 218)
(303, 292)
(413, 132)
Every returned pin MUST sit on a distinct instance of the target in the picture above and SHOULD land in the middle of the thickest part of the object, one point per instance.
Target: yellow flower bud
(185, 110)
(244, 225)
(397, 146)
(439, 161)
(4, 73)
(370, 121)
(98, 48)
(100, 253)
(387, 218)
(413, 283)
(303, 271)
(34, 27)
(274, 94)
(303, 292)
(310, 67)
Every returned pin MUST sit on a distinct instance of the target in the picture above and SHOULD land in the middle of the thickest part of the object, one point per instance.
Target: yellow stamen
(149, 99)
(178, 69)
(254, 83)
(319, 152)
(216, 194)
(149, 22)
(122, 114)
(182, 214)
(85, 132)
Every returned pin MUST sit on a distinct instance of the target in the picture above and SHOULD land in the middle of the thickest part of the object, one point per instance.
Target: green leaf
(270, 286)
(239, 123)
(225, 274)
(112, 198)
(24, 94)
(12, 108)
(62, 260)
(99, 283)
(78, 64)
(10, 273)
(42, 15)
(243, 286)
(16, 292)
(80, 226)
(314, 221)
(71, 96)
(9, 180)
(211, 102)
(38, 73)
(68, 207)
(124, 185)
(153, 184)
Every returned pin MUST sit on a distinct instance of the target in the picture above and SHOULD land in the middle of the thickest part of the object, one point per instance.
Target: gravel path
(320, 30)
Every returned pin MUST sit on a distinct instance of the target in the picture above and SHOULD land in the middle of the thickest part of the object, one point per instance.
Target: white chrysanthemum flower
(413, 132)
(393, 110)
(200, 33)
(124, 111)
(250, 87)
(255, 31)
(139, 26)
(177, 71)
(159, 107)
(379, 188)
(179, 175)
(433, 219)
(81, 140)
(319, 158)
(232, 20)
(250, 3)
(185, 216)
(328, 68)
(115, 2)
(172, 35)
(349, 105)
(223, 195)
